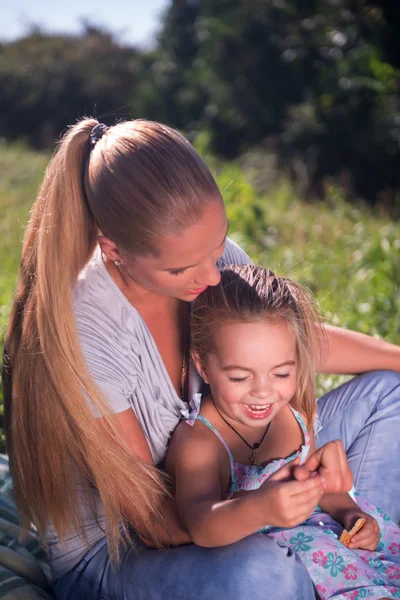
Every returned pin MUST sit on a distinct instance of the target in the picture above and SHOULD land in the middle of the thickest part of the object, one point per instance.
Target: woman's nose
(209, 275)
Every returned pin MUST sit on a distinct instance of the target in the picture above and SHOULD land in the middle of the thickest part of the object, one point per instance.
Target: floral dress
(337, 571)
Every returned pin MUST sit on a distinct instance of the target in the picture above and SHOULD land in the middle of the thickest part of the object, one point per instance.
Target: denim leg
(255, 568)
(365, 414)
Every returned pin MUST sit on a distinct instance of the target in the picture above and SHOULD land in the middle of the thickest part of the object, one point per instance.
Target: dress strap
(299, 418)
(191, 415)
(307, 440)
(219, 436)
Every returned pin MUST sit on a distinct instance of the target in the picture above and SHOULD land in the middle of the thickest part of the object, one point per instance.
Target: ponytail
(51, 432)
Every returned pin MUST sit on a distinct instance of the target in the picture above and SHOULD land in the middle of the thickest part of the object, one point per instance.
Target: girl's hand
(330, 461)
(368, 536)
(289, 502)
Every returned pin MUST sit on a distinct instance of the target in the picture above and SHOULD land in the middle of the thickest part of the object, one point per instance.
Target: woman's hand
(330, 462)
(289, 502)
(368, 536)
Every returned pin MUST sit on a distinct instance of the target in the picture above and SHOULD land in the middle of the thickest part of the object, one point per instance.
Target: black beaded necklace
(253, 447)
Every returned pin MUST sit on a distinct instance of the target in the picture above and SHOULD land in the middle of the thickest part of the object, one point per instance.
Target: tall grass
(346, 254)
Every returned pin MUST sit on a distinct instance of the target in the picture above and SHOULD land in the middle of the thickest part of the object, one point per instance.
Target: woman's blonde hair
(139, 182)
(248, 293)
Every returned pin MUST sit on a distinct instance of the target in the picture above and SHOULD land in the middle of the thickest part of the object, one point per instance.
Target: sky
(134, 21)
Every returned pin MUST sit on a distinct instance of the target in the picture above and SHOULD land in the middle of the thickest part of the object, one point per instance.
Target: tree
(48, 81)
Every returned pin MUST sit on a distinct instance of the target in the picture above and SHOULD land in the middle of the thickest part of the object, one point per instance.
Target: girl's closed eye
(282, 375)
(237, 379)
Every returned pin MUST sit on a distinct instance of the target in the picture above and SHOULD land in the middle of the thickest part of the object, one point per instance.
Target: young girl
(235, 460)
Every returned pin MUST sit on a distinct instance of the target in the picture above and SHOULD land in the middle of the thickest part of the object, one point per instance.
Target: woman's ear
(200, 366)
(108, 248)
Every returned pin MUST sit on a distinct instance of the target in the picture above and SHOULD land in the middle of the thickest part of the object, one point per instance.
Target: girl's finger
(294, 487)
(371, 546)
(334, 465)
(301, 473)
(297, 488)
(308, 498)
(285, 473)
(314, 461)
(365, 541)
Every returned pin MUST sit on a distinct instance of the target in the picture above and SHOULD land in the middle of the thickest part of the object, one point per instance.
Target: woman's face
(186, 265)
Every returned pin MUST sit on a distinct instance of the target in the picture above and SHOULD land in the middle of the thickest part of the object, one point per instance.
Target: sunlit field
(348, 256)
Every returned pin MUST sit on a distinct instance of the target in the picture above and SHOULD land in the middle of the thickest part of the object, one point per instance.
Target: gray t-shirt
(126, 365)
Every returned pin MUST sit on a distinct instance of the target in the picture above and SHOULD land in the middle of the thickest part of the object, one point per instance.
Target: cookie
(346, 536)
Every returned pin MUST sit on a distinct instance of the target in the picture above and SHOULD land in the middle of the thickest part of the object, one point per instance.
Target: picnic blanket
(24, 568)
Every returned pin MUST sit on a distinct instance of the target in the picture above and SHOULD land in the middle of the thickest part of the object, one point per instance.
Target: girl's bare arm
(194, 462)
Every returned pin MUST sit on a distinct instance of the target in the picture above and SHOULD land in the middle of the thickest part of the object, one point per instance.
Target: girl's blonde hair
(139, 182)
(249, 293)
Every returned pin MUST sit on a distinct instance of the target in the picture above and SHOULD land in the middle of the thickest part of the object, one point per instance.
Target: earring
(117, 263)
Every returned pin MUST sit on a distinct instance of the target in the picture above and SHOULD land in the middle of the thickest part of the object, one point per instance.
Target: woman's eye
(237, 379)
(178, 272)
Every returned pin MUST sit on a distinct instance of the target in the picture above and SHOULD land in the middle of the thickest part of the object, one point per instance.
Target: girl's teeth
(258, 408)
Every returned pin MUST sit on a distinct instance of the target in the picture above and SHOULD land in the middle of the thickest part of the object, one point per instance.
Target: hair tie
(97, 132)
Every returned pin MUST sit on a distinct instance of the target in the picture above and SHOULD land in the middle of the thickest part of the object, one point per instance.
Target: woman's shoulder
(94, 285)
(108, 333)
(233, 255)
(101, 311)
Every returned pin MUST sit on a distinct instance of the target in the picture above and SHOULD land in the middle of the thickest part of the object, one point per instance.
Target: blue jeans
(365, 414)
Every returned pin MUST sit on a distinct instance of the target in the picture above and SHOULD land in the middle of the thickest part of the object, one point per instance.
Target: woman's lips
(196, 292)
(258, 411)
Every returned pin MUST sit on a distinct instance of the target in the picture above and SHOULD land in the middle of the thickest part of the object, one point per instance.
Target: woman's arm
(135, 439)
(352, 352)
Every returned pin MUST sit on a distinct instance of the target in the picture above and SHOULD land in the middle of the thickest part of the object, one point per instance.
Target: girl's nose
(262, 390)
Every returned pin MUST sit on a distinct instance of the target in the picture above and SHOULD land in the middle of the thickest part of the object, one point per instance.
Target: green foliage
(347, 255)
(48, 82)
(22, 171)
(316, 82)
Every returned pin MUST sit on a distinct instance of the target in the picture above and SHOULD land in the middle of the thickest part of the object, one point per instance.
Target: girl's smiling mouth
(258, 411)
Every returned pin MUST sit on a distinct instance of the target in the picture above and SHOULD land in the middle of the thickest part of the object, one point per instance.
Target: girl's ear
(200, 366)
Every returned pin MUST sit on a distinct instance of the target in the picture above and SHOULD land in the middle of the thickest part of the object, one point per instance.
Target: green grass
(21, 174)
(346, 254)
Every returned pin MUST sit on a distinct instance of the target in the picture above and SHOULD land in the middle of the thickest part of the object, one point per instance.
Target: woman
(129, 227)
